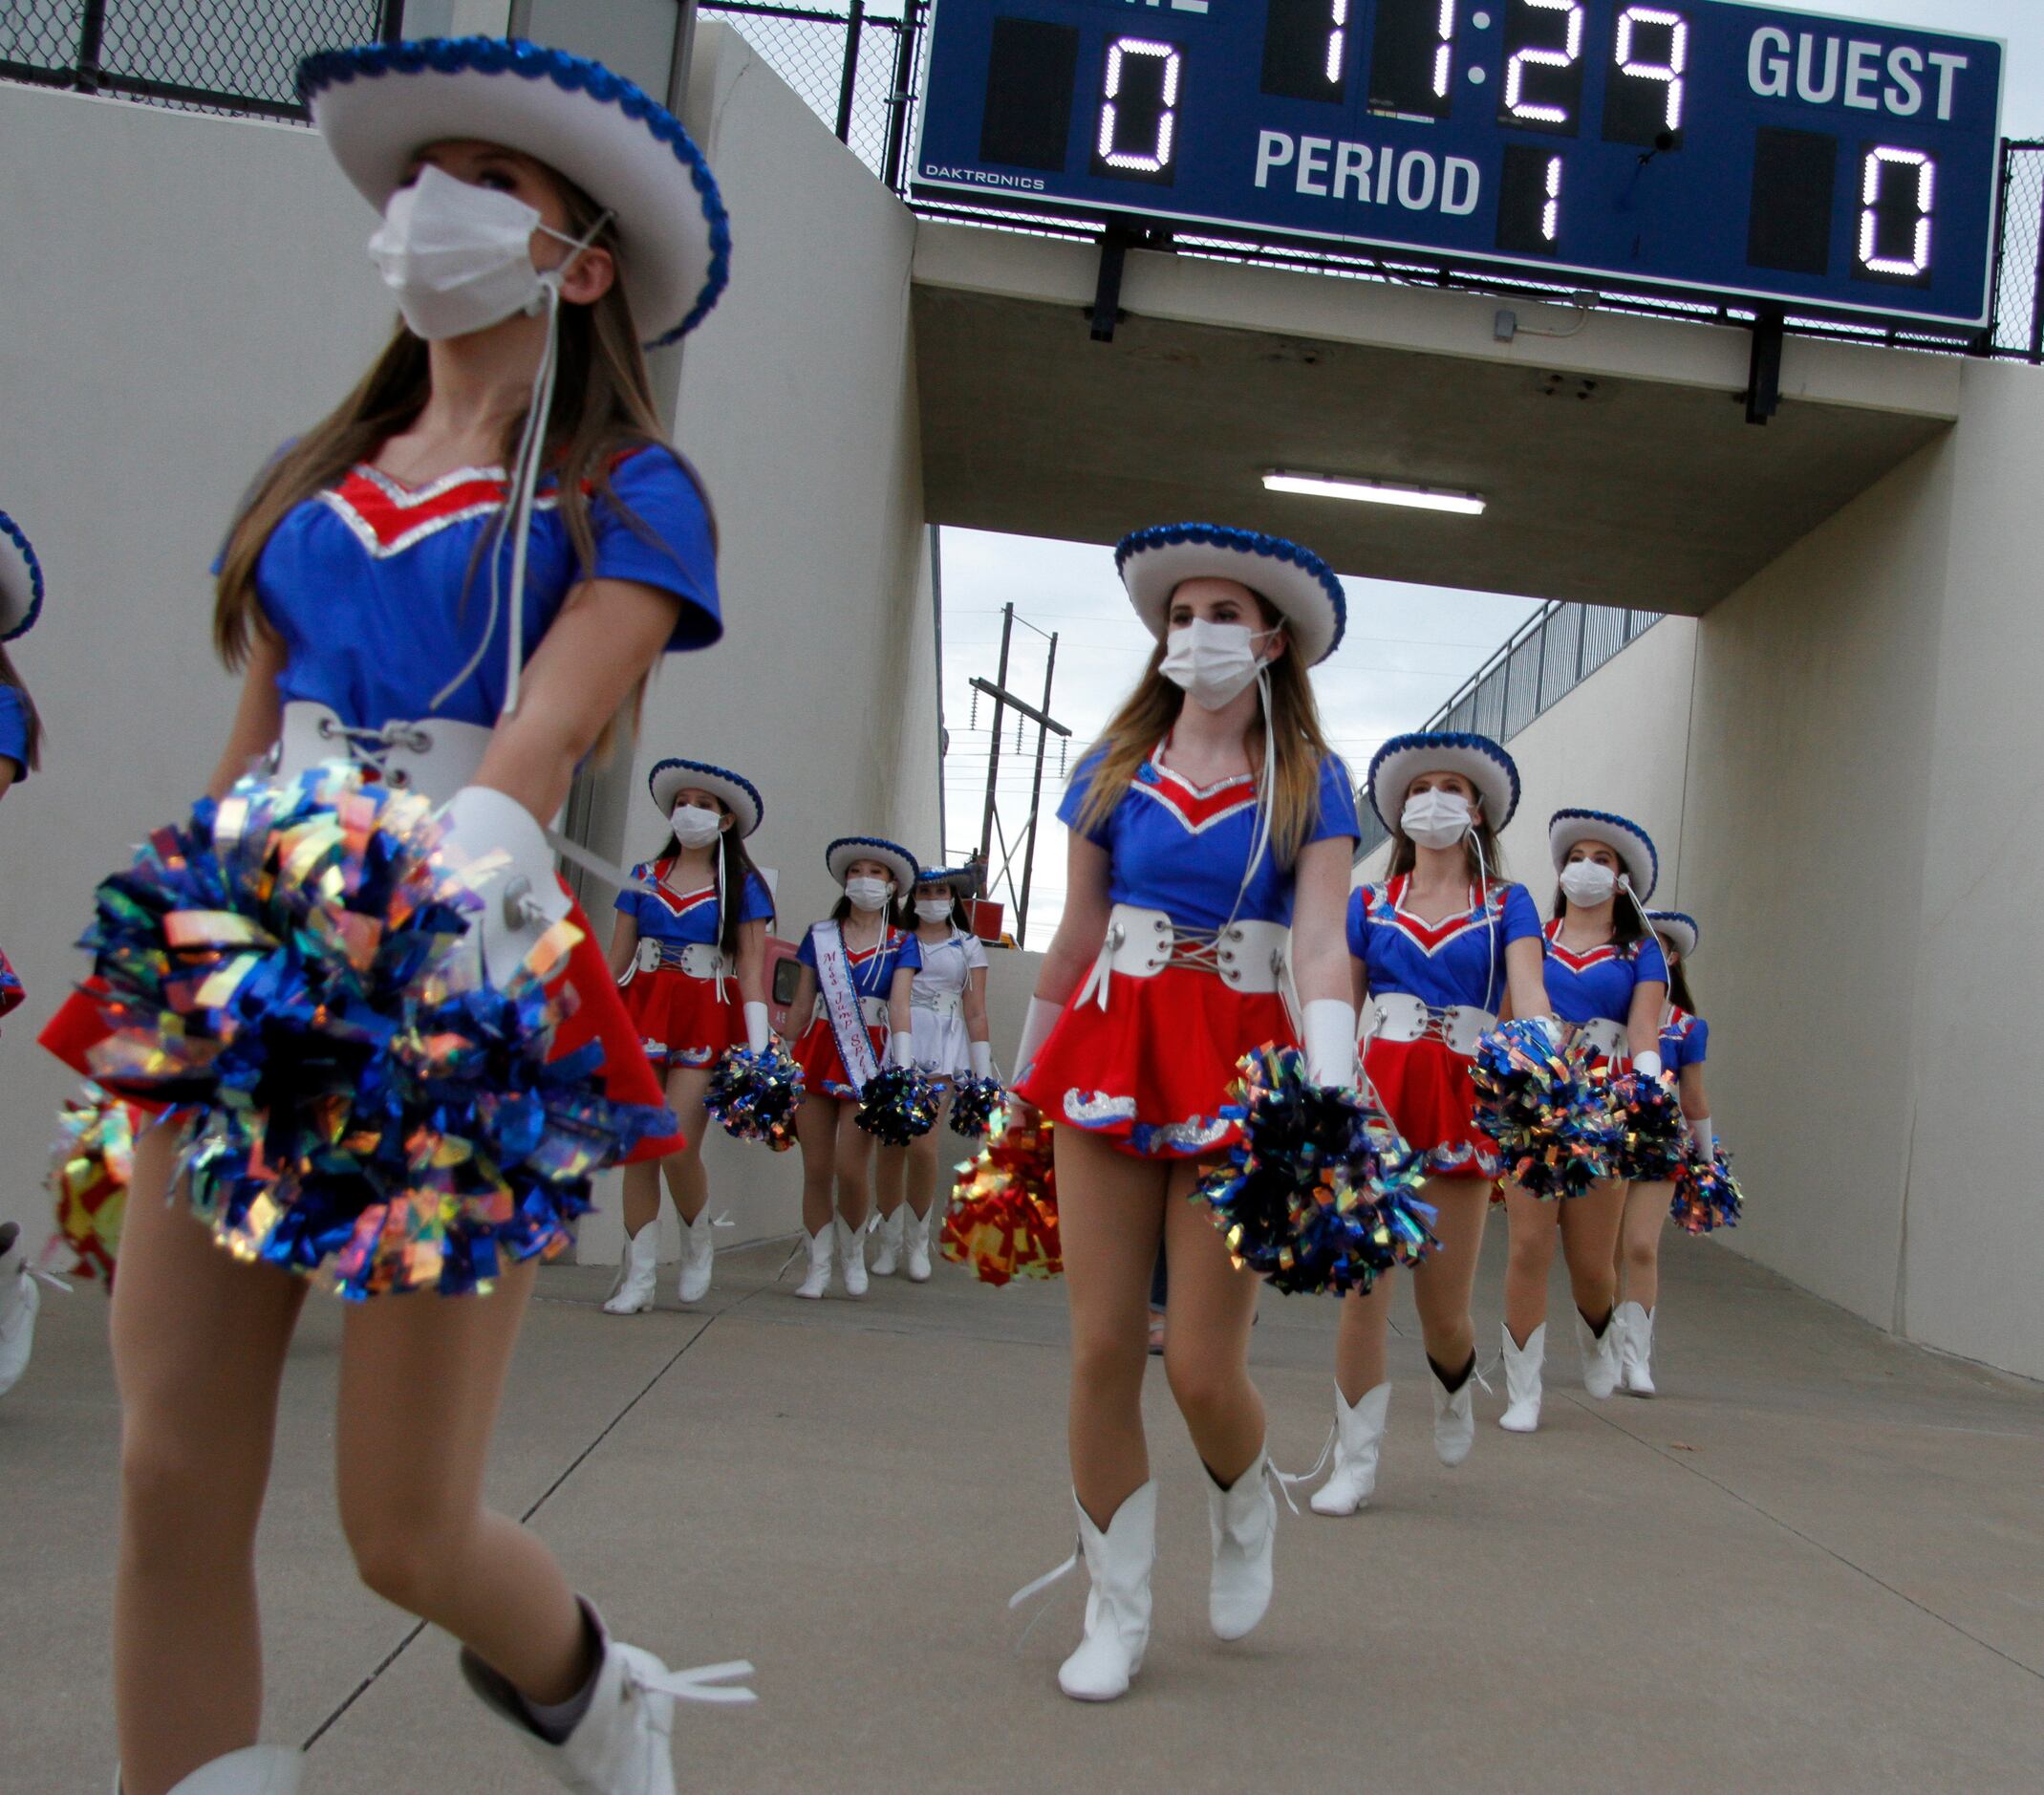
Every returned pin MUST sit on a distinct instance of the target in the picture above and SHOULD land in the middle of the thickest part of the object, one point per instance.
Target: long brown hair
(603, 407)
(1147, 717)
(1678, 980)
(738, 871)
(30, 717)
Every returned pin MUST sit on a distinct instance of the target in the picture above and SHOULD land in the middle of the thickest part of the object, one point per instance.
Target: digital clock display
(1717, 149)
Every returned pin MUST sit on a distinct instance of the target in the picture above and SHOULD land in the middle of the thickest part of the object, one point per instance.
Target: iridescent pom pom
(755, 1095)
(1318, 1193)
(1550, 1118)
(88, 1174)
(1002, 1223)
(288, 970)
(973, 1103)
(1652, 1143)
(898, 1105)
(1707, 1195)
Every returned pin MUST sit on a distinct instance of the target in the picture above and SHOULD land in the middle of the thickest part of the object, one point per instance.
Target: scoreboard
(1714, 149)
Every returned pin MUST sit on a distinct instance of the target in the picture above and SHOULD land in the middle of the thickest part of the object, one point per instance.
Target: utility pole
(1047, 726)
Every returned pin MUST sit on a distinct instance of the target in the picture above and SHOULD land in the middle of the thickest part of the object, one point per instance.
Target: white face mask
(1588, 883)
(460, 257)
(934, 909)
(868, 894)
(1436, 820)
(1210, 663)
(696, 827)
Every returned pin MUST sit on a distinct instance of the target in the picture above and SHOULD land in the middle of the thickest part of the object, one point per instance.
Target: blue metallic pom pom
(288, 971)
(898, 1105)
(1707, 1195)
(1652, 1144)
(1553, 1121)
(755, 1096)
(1319, 1193)
(973, 1103)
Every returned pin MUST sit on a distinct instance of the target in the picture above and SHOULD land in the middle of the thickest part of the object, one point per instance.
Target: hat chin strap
(521, 496)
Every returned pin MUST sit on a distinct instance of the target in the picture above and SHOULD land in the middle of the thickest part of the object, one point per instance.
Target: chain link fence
(214, 55)
(855, 70)
(1548, 658)
(2018, 327)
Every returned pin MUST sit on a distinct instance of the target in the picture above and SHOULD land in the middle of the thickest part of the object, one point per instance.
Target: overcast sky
(1407, 649)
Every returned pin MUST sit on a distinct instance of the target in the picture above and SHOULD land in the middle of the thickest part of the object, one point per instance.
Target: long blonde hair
(603, 407)
(1147, 717)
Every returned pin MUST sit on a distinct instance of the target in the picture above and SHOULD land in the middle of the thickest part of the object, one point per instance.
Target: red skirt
(598, 1014)
(1424, 1085)
(681, 1022)
(823, 1066)
(1151, 1070)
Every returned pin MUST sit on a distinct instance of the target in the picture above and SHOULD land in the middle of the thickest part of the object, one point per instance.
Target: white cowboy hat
(1154, 563)
(1631, 843)
(735, 793)
(378, 104)
(897, 859)
(21, 582)
(1679, 927)
(1478, 759)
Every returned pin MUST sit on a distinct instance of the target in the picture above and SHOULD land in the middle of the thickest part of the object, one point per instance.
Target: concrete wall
(214, 296)
(1856, 831)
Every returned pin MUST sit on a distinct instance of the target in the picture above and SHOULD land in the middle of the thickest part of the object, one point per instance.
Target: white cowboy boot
(699, 1257)
(887, 1242)
(852, 1256)
(817, 1279)
(1454, 1418)
(253, 1770)
(21, 1301)
(1522, 1382)
(620, 1744)
(1358, 1434)
(1243, 1520)
(1600, 1357)
(1635, 1324)
(916, 1232)
(1117, 1605)
(637, 1274)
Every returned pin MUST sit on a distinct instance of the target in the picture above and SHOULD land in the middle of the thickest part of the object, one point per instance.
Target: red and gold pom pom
(89, 1177)
(1003, 1218)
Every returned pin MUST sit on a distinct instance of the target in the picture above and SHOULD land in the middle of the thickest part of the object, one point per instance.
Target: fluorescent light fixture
(1375, 492)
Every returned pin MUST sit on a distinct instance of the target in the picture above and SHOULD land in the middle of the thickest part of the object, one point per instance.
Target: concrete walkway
(1815, 1562)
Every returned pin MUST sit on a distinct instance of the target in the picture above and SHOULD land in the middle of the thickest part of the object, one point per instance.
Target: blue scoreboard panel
(1713, 148)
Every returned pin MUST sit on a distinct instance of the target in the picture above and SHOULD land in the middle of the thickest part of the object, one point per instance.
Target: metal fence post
(2036, 296)
(390, 25)
(903, 95)
(847, 87)
(92, 28)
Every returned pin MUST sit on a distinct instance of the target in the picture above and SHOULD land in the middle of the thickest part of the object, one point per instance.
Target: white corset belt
(437, 757)
(699, 960)
(1401, 1016)
(1140, 944)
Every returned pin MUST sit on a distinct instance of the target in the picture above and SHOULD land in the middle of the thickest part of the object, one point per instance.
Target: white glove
(1036, 1025)
(1330, 1042)
(758, 1029)
(982, 1059)
(1551, 1028)
(900, 1049)
(498, 850)
(1647, 1064)
(1703, 1135)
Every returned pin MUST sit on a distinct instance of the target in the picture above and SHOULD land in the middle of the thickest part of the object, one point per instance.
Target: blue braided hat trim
(1658, 918)
(744, 784)
(1613, 820)
(1444, 739)
(11, 531)
(571, 75)
(1249, 542)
